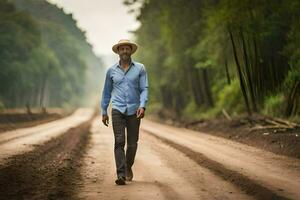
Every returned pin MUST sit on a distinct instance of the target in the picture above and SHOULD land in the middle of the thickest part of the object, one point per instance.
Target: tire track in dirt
(160, 172)
(206, 184)
(244, 183)
(50, 171)
(278, 174)
(19, 141)
(14, 121)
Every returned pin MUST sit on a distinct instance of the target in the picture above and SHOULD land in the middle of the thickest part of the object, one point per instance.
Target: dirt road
(171, 163)
(160, 172)
(26, 139)
(174, 163)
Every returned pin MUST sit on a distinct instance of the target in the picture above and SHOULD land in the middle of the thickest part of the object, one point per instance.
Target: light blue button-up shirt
(127, 90)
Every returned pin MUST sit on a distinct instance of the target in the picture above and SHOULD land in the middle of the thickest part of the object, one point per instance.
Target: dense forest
(205, 57)
(45, 59)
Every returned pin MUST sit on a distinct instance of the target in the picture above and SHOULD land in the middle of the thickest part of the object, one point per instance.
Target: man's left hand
(140, 112)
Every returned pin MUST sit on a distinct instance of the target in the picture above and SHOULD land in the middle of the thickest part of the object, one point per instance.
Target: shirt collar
(131, 63)
(119, 65)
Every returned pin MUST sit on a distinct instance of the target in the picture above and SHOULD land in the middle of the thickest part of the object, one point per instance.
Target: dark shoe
(120, 181)
(129, 174)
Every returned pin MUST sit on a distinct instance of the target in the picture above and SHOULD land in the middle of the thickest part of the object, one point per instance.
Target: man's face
(125, 52)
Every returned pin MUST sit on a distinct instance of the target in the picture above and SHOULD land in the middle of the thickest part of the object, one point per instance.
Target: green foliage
(1, 106)
(44, 57)
(205, 56)
(274, 105)
(230, 98)
(292, 77)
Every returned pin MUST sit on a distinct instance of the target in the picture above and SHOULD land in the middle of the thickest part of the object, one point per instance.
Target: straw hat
(125, 42)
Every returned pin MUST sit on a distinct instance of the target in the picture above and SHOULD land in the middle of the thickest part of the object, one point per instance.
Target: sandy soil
(160, 172)
(49, 171)
(15, 119)
(171, 163)
(258, 172)
(26, 139)
(283, 141)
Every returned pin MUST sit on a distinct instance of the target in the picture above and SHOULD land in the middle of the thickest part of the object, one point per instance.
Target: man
(126, 84)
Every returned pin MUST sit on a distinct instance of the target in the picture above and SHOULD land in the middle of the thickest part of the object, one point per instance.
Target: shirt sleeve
(143, 87)
(106, 93)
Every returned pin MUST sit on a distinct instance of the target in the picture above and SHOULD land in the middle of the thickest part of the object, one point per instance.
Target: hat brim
(133, 47)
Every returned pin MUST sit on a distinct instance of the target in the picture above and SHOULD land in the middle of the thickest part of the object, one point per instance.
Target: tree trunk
(43, 88)
(248, 73)
(292, 102)
(208, 95)
(227, 71)
(242, 84)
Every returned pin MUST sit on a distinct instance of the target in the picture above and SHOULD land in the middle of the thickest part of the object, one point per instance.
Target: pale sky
(105, 21)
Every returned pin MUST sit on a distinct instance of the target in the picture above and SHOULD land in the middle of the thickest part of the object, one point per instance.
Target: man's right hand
(105, 120)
